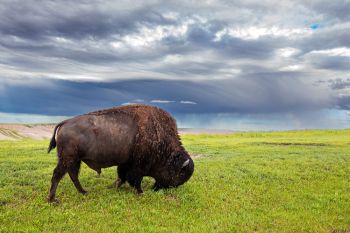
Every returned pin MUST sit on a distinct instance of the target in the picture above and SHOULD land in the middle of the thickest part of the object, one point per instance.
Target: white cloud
(148, 36)
(187, 102)
(287, 52)
(127, 103)
(135, 101)
(253, 32)
(291, 68)
(342, 51)
(162, 101)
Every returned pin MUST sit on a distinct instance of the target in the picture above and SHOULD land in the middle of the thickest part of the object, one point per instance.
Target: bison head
(178, 169)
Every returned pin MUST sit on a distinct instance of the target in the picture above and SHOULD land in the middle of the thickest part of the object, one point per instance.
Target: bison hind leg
(74, 173)
(57, 175)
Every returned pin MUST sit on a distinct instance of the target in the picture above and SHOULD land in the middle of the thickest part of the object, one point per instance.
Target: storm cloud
(217, 57)
(244, 94)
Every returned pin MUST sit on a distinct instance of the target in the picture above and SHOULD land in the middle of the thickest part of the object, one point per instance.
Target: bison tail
(52, 144)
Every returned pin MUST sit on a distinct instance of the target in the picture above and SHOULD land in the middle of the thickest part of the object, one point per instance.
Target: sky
(240, 65)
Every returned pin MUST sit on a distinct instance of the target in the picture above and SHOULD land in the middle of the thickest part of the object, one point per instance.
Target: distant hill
(44, 131)
(22, 131)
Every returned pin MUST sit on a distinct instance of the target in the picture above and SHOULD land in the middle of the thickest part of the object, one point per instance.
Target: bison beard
(141, 140)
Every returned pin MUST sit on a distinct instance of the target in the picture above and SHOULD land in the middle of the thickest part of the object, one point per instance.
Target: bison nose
(185, 163)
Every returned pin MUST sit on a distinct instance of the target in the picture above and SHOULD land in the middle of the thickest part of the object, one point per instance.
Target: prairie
(295, 181)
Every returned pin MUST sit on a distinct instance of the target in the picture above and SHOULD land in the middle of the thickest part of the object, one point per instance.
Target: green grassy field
(245, 182)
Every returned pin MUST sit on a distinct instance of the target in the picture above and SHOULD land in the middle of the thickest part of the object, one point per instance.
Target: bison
(141, 140)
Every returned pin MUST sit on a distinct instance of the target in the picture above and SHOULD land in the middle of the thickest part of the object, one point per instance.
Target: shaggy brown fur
(156, 128)
(155, 150)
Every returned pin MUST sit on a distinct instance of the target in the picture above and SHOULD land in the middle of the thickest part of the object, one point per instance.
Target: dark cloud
(240, 95)
(257, 49)
(75, 20)
(198, 68)
(332, 10)
(339, 84)
(327, 38)
(83, 31)
(204, 36)
(241, 57)
(90, 29)
(344, 102)
(332, 62)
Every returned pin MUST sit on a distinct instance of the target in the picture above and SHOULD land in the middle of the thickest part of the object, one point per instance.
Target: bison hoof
(52, 200)
(156, 187)
(119, 183)
(83, 192)
(139, 191)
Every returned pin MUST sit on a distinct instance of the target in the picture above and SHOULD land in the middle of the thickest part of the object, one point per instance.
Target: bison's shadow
(147, 184)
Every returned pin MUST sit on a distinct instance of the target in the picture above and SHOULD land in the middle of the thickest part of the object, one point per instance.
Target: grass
(296, 181)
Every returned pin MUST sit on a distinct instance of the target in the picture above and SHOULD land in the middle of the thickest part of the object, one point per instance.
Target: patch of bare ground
(339, 230)
(196, 156)
(20, 131)
(291, 144)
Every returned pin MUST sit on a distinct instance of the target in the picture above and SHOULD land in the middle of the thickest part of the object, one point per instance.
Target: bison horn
(185, 163)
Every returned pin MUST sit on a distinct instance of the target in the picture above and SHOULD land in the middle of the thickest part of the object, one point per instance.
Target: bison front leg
(134, 178)
(156, 187)
(122, 171)
(74, 173)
